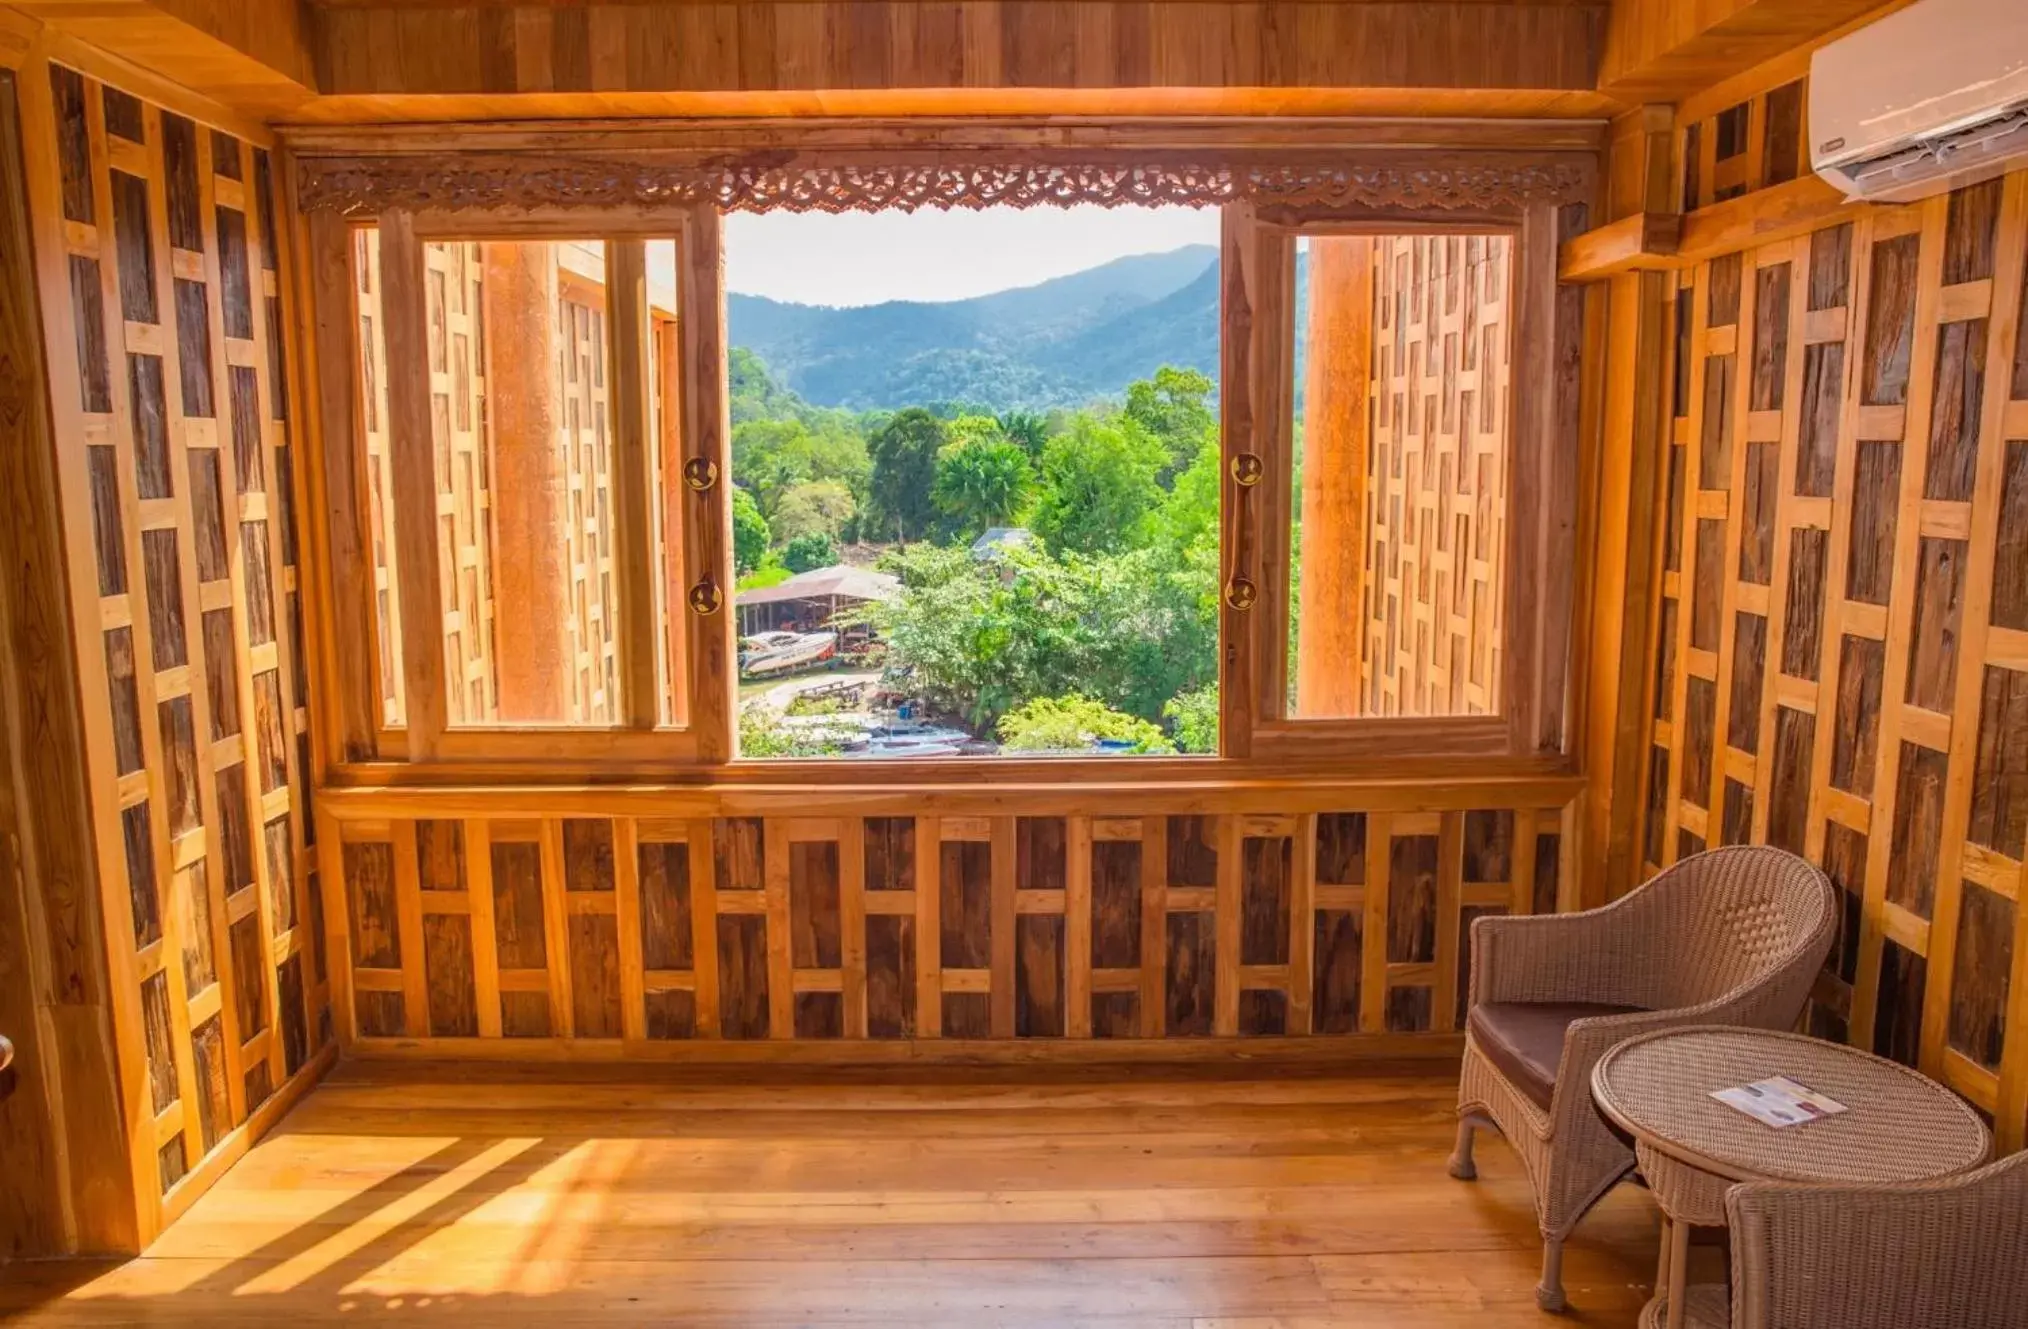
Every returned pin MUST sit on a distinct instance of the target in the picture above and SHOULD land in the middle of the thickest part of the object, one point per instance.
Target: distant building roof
(839, 580)
(997, 538)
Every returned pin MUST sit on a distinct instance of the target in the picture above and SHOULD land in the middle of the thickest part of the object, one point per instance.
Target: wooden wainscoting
(621, 936)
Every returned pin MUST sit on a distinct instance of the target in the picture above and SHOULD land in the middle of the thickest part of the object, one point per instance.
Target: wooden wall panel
(817, 928)
(459, 307)
(1436, 516)
(1851, 679)
(173, 426)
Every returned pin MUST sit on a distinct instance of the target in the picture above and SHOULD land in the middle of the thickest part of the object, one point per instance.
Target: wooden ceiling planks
(253, 56)
(380, 61)
(394, 60)
(745, 47)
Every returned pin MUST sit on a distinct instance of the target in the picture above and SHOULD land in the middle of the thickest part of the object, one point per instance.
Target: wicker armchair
(1949, 1254)
(1735, 936)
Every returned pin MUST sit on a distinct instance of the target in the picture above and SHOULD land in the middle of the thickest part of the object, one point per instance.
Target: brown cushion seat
(1525, 1039)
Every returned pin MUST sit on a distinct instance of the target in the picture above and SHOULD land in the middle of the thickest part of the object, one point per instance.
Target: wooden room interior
(335, 988)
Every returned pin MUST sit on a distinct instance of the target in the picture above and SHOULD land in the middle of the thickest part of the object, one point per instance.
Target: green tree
(1188, 515)
(904, 453)
(754, 393)
(769, 456)
(750, 534)
(814, 549)
(1193, 716)
(774, 457)
(1073, 724)
(1098, 486)
(1028, 429)
(1172, 408)
(763, 733)
(815, 507)
(979, 639)
(982, 481)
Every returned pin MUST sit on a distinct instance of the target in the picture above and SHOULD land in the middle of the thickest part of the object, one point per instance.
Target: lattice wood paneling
(1437, 481)
(462, 361)
(178, 439)
(454, 292)
(1752, 144)
(1843, 662)
(374, 424)
(953, 927)
(581, 344)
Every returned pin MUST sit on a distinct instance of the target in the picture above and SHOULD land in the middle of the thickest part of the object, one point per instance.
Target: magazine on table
(1778, 1102)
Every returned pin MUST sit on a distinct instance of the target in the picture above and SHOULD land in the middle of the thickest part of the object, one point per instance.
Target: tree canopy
(750, 535)
(1099, 485)
(982, 480)
(904, 453)
(1105, 628)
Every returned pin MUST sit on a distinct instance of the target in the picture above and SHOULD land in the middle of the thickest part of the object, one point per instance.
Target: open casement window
(1397, 450)
(1398, 424)
(538, 492)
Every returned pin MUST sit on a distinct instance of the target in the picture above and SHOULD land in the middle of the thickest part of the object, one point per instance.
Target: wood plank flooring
(482, 1196)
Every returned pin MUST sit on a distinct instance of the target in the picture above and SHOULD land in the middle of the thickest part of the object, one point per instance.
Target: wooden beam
(530, 487)
(1643, 242)
(1660, 242)
(253, 56)
(1662, 50)
(1782, 212)
(1334, 474)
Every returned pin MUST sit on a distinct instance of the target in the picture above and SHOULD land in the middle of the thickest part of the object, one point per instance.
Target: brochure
(1778, 1102)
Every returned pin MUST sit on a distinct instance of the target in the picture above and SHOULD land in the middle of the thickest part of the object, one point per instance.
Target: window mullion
(1274, 435)
(1240, 323)
(707, 477)
(634, 487)
(405, 317)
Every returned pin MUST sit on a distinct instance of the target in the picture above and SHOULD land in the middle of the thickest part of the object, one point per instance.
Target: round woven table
(1898, 1126)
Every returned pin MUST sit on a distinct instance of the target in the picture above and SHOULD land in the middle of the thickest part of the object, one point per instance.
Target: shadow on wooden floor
(511, 1197)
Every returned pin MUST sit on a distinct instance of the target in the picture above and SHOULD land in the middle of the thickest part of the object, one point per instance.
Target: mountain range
(1062, 342)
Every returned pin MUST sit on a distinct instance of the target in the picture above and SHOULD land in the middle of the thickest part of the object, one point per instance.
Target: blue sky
(863, 258)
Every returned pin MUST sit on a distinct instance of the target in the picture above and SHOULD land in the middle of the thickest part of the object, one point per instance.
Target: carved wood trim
(1395, 182)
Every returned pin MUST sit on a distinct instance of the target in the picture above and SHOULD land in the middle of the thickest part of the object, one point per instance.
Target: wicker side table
(1899, 1126)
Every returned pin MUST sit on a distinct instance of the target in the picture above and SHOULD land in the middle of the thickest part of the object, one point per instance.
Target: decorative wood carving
(368, 185)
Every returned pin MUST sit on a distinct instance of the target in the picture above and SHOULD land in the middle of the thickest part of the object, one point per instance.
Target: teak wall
(1841, 661)
(1437, 496)
(165, 325)
(997, 936)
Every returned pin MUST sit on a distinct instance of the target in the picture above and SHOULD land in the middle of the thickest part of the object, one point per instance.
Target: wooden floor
(499, 1197)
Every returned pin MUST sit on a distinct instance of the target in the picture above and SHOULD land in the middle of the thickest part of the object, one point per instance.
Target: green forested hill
(1060, 343)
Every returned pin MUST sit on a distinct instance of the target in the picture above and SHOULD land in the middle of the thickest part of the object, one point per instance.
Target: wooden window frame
(695, 519)
(1540, 583)
(1268, 182)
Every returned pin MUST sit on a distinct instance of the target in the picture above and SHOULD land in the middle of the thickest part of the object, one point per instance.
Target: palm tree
(983, 482)
(1027, 428)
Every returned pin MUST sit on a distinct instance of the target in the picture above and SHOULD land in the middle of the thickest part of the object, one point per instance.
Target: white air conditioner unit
(1929, 98)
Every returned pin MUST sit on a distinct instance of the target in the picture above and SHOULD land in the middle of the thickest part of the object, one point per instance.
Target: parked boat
(780, 652)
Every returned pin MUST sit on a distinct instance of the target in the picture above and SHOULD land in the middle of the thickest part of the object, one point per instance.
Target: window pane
(522, 446)
(379, 468)
(976, 474)
(1401, 441)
